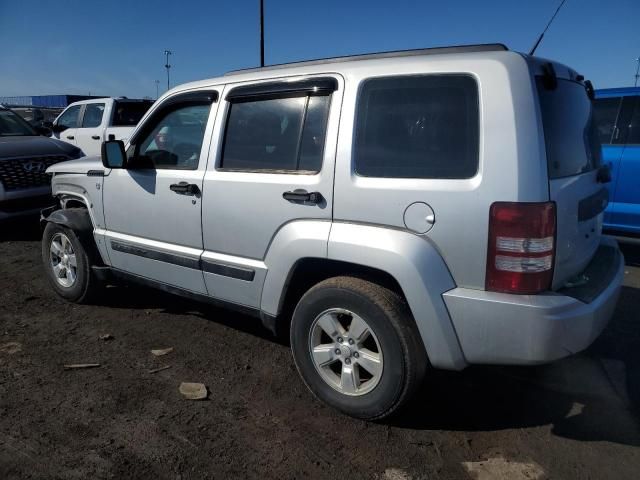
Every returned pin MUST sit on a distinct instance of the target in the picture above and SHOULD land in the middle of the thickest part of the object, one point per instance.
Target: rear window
(128, 114)
(571, 136)
(418, 127)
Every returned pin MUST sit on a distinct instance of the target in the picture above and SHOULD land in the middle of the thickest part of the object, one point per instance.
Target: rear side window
(571, 135)
(418, 127)
(605, 112)
(92, 115)
(276, 134)
(128, 114)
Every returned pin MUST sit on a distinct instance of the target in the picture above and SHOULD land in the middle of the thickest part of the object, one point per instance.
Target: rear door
(573, 159)
(89, 134)
(626, 197)
(276, 144)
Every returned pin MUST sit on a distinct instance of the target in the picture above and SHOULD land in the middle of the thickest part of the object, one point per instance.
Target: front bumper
(500, 328)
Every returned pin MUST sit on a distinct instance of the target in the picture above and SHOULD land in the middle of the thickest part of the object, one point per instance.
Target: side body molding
(422, 274)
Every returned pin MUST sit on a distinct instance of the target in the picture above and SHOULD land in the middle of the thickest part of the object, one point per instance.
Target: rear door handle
(184, 188)
(70, 137)
(95, 137)
(300, 195)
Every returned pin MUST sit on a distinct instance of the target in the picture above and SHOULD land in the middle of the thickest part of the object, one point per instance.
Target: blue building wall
(47, 101)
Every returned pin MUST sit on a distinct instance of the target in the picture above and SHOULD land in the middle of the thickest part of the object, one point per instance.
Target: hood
(82, 165)
(11, 147)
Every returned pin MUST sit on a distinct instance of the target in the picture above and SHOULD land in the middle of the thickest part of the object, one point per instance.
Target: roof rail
(486, 47)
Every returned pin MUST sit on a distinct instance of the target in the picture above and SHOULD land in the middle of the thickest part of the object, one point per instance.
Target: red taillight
(521, 251)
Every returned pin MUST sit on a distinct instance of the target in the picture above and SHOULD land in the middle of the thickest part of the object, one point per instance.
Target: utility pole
(157, 84)
(167, 65)
(637, 72)
(262, 33)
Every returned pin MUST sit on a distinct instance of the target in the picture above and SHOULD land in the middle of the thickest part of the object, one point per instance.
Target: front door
(90, 131)
(153, 207)
(274, 160)
(69, 120)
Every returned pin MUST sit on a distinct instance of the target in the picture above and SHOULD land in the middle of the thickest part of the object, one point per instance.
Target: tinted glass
(571, 137)
(313, 135)
(70, 117)
(92, 115)
(128, 114)
(605, 112)
(418, 127)
(176, 140)
(13, 125)
(629, 121)
(263, 135)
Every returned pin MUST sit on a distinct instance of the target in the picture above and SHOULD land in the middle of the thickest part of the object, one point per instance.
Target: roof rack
(487, 47)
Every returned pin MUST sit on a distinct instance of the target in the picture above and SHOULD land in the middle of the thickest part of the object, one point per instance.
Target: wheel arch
(78, 219)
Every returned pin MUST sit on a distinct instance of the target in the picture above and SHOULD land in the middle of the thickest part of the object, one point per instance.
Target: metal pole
(167, 65)
(157, 84)
(637, 72)
(262, 33)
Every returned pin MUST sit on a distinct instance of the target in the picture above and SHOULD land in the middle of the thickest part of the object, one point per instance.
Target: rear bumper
(499, 328)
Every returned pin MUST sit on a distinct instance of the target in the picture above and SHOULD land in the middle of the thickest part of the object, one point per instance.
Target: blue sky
(116, 47)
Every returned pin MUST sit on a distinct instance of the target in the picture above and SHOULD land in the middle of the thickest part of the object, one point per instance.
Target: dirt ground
(574, 419)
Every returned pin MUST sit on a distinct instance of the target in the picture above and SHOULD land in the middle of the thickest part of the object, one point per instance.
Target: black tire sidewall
(389, 389)
(78, 290)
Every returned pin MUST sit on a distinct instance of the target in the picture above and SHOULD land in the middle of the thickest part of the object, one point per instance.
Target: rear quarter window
(418, 127)
(128, 114)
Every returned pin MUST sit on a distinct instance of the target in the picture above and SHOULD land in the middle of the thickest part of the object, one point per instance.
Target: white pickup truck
(86, 124)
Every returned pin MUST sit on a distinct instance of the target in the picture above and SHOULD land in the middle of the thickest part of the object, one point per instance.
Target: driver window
(176, 140)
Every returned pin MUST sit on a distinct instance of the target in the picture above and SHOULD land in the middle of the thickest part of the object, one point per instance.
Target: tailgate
(573, 163)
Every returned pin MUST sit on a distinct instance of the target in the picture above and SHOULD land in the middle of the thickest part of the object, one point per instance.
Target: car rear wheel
(66, 263)
(357, 347)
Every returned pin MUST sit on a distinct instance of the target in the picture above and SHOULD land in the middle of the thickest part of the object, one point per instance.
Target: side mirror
(113, 155)
(58, 128)
(49, 125)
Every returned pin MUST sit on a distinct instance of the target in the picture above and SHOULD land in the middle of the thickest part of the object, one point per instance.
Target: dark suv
(25, 154)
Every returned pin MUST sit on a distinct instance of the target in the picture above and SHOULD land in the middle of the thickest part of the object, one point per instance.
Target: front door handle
(70, 137)
(95, 137)
(300, 195)
(184, 188)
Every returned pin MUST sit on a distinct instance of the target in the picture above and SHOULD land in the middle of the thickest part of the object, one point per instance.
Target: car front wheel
(67, 264)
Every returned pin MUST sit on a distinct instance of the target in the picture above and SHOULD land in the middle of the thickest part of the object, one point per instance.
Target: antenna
(546, 28)
(262, 33)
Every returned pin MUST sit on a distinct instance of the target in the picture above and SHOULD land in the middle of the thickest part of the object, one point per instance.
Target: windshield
(569, 130)
(11, 124)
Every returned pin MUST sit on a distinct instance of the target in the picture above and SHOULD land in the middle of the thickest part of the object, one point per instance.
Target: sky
(116, 47)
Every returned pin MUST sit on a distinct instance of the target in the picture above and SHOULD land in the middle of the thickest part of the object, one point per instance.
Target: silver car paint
(246, 223)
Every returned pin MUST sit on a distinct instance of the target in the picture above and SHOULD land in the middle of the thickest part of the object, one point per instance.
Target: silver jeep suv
(394, 212)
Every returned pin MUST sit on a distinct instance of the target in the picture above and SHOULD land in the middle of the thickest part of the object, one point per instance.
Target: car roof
(337, 64)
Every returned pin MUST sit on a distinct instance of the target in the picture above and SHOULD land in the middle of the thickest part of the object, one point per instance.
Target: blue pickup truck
(617, 116)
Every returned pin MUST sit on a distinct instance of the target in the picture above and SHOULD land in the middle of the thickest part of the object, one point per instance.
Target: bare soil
(574, 419)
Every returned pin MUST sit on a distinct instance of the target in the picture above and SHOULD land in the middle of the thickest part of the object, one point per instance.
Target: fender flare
(78, 220)
(416, 264)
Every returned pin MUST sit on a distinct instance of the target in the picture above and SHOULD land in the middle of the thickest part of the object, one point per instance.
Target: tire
(83, 286)
(393, 339)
